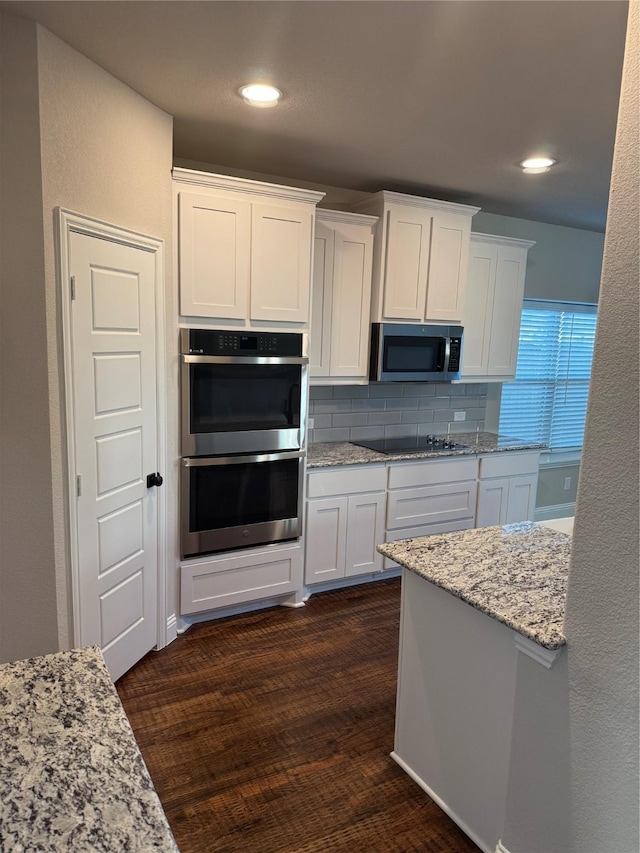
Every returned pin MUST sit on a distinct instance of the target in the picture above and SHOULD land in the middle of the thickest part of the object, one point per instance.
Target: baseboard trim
(500, 848)
(172, 628)
(546, 513)
(445, 808)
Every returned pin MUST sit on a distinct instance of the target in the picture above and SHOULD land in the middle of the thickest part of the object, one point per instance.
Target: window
(548, 400)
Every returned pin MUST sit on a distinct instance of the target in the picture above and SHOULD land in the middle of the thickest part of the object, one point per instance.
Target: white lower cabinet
(507, 488)
(345, 522)
(430, 497)
(238, 577)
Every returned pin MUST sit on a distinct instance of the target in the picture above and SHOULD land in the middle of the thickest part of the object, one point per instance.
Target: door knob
(154, 480)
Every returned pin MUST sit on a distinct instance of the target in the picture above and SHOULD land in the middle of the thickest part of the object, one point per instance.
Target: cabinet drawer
(346, 481)
(248, 576)
(431, 504)
(509, 464)
(407, 474)
(424, 530)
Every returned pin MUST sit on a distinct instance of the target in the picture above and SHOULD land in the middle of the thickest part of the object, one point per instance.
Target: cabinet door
(507, 310)
(214, 248)
(522, 498)
(493, 496)
(365, 530)
(326, 538)
(407, 264)
(321, 295)
(351, 300)
(280, 263)
(450, 238)
(478, 309)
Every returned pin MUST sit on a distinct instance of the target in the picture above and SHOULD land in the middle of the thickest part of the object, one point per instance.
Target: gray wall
(105, 152)
(564, 264)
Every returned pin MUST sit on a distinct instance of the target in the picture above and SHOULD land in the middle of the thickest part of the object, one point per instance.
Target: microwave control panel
(454, 354)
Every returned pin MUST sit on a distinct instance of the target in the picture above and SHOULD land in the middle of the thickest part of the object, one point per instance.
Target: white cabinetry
(244, 249)
(345, 522)
(420, 257)
(341, 297)
(430, 497)
(240, 576)
(493, 306)
(507, 488)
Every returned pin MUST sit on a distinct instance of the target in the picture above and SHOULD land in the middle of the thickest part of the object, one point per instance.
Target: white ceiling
(434, 98)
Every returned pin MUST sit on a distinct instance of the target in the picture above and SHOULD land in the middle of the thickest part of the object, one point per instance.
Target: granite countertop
(516, 574)
(72, 775)
(331, 454)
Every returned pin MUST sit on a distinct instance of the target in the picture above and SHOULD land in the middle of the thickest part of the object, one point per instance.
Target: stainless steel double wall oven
(243, 427)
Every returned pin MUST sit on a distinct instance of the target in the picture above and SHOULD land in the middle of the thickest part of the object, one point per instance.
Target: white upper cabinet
(493, 306)
(420, 259)
(341, 296)
(244, 249)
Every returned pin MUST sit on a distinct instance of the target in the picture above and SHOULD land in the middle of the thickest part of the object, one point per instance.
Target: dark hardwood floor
(270, 732)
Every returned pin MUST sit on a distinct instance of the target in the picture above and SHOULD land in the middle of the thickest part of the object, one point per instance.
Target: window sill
(560, 458)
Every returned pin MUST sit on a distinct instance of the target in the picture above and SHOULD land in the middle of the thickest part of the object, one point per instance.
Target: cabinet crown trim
(244, 185)
(323, 214)
(477, 237)
(389, 197)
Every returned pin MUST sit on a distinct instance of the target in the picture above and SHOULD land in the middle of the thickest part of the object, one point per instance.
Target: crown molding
(477, 237)
(244, 185)
(323, 214)
(376, 200)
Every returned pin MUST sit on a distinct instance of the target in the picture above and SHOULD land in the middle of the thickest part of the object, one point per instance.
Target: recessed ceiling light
(260, 95)
(535, 165)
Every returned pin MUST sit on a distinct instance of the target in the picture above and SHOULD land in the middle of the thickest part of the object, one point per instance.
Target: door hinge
(79, 485)
(72, 282)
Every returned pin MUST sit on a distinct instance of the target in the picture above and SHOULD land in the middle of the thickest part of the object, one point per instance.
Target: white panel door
(407, 264)
(448, 267)
(325, 539)
(280, 263)
(522, 498)
(215, 250)
(365, 530)
(493, 496)
(351, 300)
(321, 295)
(507, 310)
(113, 327)
(478, 308)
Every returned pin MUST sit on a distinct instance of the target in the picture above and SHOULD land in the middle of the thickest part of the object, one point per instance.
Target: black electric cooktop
(412, 444)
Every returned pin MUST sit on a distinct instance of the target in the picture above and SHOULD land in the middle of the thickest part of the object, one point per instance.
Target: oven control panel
(223, 342)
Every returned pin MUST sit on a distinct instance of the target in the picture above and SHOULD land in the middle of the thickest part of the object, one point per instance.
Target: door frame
(67, 223)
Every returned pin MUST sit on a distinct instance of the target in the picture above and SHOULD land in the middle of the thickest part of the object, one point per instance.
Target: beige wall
(602, 619)
(585, 752)
(28, 622)
(105, 152)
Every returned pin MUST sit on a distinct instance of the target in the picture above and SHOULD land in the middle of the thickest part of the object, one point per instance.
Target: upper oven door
(240, 404)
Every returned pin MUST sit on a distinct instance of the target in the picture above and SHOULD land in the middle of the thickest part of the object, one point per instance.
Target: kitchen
(69, 181)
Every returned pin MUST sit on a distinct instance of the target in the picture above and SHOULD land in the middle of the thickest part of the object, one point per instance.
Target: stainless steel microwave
(402, 352)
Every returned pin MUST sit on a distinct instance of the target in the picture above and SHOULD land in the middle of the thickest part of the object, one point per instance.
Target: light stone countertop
(73, 778)
(516, 574)
(331, 454)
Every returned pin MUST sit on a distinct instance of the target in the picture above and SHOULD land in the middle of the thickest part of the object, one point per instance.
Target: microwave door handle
(445, 347)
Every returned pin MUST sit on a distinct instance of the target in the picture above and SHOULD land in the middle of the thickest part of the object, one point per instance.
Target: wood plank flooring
(270, 732)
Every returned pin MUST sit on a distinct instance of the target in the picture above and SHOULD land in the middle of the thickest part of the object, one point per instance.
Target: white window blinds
(548, 400)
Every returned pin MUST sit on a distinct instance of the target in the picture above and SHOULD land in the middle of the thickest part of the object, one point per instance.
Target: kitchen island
(480, 608)
(72, 775)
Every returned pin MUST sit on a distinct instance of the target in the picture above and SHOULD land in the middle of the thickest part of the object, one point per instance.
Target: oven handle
(241, 359)
(205, 461)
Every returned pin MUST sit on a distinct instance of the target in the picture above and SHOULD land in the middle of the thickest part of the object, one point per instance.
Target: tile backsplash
(392, 409)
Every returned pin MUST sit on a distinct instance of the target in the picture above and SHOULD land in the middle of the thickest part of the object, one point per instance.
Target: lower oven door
(240, 501)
